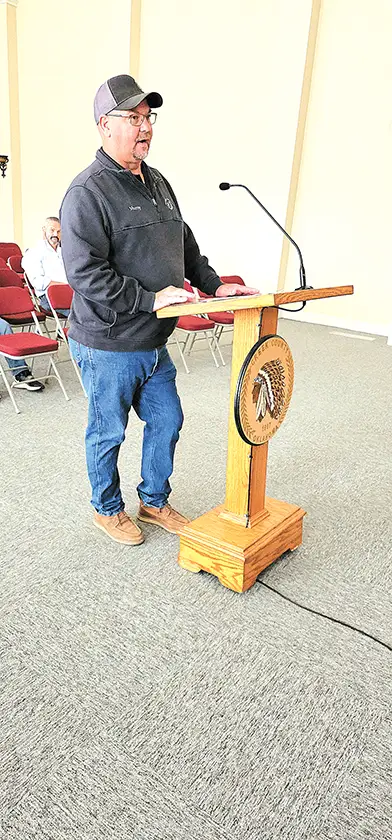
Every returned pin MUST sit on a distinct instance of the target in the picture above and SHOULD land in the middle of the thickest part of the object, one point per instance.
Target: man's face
(128, 143)
(52, 233)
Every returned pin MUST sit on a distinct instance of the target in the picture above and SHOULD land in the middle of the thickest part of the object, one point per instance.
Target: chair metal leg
(3, 374)
(190, 340)
(215, 340)
(58, 377)
(185, 342)
(210, 340)
(47, 372)
(45, 326)
(181, 353)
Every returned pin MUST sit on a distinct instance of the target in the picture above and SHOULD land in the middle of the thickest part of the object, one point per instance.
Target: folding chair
(33, 294)
(3, 263)
(34, 297)
(194, 328)
(10, 278)
(60, 297)
(223, 319)
(15, 262)
(13, 303)
(7, 249)
(22, 316)
(41, 313)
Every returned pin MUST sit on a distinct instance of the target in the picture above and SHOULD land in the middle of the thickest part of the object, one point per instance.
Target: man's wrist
(218, 285)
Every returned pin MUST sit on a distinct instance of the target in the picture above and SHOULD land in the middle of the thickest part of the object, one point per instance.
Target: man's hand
(231, 289)
(172, 294)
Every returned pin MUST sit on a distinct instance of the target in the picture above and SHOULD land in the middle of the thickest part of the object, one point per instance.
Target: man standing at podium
(126, 250)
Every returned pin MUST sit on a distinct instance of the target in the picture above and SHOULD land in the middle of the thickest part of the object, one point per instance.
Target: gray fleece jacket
(123, 241)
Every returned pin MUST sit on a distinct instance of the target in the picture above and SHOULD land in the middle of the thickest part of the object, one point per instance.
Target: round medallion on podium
(264, 389)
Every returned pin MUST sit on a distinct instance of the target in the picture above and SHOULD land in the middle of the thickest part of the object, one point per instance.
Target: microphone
(302, 276)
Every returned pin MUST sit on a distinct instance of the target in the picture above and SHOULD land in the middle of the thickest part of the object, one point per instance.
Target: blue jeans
(115, 382)
(16, 365)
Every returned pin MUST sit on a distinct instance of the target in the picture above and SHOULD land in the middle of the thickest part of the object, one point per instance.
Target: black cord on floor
(328, 617)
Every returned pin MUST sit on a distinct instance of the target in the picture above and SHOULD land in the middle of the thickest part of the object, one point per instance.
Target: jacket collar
(108, 161)
(151, 176)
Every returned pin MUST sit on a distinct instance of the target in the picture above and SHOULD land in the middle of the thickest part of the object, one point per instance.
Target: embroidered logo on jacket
(134, 208)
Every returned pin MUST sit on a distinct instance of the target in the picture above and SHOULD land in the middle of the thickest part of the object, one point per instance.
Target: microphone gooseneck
(302, 276)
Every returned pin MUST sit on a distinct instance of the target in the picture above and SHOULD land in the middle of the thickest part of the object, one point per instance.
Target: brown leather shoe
(119, 528)
(165, 517)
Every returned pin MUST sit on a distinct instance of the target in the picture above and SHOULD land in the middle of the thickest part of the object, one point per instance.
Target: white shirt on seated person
(43, 263)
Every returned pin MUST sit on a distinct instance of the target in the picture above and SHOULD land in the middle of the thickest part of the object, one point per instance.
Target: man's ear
(103, 126)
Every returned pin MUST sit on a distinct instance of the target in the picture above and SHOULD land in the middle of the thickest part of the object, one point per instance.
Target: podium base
(234, 554)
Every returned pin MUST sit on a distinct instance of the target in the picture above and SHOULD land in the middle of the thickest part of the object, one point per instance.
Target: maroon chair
(60, 297)
(22, 315)
(233, 278)
(15, 262)
(42, 314)
(7, 249)
(3, 263)
(33, 295)
(10, 278)
(223, 319)
(194, 328)
(13, 303)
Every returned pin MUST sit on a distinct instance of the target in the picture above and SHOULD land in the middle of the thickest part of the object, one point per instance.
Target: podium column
(246, 464)
(237, 540)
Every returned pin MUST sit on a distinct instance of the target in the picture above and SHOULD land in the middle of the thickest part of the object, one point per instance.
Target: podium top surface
(236, 302)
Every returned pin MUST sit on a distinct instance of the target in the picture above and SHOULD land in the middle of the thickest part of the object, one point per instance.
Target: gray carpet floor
(142, 702)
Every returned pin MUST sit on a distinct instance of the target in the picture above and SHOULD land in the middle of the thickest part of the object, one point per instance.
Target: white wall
(343, 217)
(230, 73)
(65, 52)
(6, 211)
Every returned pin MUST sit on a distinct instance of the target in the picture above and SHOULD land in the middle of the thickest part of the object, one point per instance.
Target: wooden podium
(237, 540)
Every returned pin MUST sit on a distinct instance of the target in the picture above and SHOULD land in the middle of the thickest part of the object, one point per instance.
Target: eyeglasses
(136, 120)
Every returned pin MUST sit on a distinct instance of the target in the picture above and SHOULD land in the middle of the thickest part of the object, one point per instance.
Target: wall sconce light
(3, 164)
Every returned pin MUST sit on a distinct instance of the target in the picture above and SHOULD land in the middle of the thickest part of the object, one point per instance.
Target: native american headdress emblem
(269, 390)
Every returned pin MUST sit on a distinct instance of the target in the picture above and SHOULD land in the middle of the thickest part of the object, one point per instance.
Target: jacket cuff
(146, 301)
(215, 284)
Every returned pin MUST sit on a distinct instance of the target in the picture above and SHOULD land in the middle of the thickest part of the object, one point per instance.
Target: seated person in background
(22, 373)
(43, 263)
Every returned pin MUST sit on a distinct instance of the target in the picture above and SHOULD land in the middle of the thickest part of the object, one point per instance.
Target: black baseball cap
(124, 93)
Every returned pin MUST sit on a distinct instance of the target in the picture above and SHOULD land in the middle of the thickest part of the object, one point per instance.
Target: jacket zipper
(141, 186)
(155, 203)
